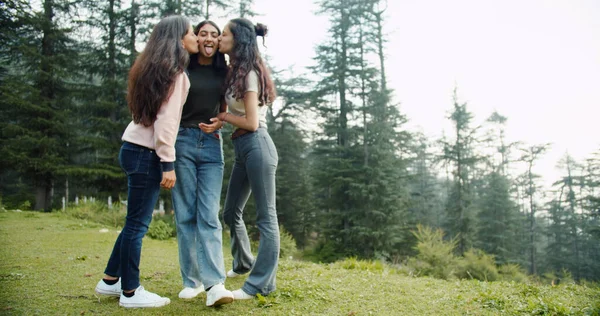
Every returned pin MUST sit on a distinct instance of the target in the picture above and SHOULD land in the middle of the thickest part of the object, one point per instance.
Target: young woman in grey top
(249, 90)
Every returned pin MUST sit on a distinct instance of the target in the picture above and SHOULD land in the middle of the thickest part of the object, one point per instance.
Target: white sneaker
(241, 295)
(109, 290)
(143, 298)
(231, 274)
(218, 295)
(191, 292)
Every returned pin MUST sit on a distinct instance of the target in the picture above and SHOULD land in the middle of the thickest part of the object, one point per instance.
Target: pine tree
(529, 182)
(36, 98)
(460, 155)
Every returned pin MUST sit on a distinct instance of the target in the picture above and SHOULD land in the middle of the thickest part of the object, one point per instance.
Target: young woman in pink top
(158, 88)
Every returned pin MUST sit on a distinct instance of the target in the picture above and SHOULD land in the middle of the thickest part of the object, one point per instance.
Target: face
(190, 41)
(208, 40)
(226, 41)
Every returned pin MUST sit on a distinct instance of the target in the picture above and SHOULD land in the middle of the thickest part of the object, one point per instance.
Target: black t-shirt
(204, 97)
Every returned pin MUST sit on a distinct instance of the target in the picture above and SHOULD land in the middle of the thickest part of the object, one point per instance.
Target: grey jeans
(254, 172)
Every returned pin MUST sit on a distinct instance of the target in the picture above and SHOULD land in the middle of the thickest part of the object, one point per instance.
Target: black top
(204, 97)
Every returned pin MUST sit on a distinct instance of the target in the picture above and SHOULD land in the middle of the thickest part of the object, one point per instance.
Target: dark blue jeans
(144, 174)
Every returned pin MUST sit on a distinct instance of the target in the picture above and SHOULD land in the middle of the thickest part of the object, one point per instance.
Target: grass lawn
(50, 264)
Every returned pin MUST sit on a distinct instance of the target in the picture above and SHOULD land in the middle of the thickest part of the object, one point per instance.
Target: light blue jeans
(254, 172)
(199, 169)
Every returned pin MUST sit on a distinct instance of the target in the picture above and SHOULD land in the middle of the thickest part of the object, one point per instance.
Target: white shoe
(241, 295)
(143, 298)
(109, 290)
(231, 274)
(218, 295)
(191, 292)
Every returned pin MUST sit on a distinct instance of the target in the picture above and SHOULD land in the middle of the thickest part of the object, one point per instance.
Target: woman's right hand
(168, 179)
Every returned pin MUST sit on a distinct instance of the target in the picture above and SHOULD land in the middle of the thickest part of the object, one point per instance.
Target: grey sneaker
(143, 298)
(108, 290)
(218, 295)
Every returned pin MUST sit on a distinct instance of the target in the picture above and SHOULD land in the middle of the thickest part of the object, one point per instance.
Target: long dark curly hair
(246, 57)
(154, 71)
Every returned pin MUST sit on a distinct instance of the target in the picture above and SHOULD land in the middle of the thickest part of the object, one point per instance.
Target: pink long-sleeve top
(161, 136)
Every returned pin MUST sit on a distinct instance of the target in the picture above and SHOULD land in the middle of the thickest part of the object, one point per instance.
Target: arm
(165, 129)
(250, 120)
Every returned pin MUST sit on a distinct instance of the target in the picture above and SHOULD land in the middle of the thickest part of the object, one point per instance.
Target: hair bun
(261, 29)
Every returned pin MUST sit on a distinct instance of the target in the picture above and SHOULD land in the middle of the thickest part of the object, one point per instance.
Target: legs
(196, 195)
(255, 167)
(238, 193)
(142, 167)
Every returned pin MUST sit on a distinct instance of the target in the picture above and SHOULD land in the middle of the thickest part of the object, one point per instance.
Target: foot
(109, 290)
(218, 295)
(143, 298)
(231, 274)
(191, 292)
(241, 295)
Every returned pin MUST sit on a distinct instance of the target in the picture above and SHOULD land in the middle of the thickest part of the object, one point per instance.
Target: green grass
(50, 264)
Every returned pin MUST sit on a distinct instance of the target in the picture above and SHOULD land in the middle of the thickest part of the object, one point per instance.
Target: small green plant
(363, 265)
(287, 244)
(25, 206)
(435, 255)
(159, 230)
(98, 212)
(512, 272)
(478, 265)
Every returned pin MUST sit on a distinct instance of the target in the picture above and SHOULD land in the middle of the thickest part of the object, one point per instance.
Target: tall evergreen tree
(529, 181)
(499, 229)
(36, 98)
(461, 156)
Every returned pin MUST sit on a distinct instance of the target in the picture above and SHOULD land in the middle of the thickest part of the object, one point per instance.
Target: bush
(159, 230)
(476, 264)
(324, 251)
(287, 244)
(363, 265)
(435, 255)
(512, 272)
(98, 212)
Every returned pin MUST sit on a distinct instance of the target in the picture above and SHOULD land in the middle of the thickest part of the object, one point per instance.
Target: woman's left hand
(210, 128)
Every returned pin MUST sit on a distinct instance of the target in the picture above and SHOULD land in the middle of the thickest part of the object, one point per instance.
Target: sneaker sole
(106, 293)
(155, 304)
(189, 297)
(222, 301)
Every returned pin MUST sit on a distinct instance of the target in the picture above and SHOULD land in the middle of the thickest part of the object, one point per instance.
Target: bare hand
(210, 128)
(168, 179)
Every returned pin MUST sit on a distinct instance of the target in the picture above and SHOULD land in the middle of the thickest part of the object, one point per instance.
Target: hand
(168, 179)
(210, 128)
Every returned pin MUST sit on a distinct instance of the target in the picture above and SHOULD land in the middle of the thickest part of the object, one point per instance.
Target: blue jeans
(144, 174)
(196, 195)
(254, 171)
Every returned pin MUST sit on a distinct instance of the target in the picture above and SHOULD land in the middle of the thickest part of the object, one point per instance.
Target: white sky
(536, 62)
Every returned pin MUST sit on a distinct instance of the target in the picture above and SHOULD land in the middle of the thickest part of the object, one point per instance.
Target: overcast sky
(536, 62)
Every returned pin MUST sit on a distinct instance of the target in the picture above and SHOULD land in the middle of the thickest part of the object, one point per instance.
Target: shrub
(160, 230)
(287, 244)
(435, 255)
(476, 264)
(363, 265)
(169, 219)
(98, 212)
(512, 272)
